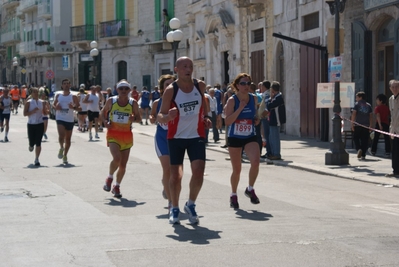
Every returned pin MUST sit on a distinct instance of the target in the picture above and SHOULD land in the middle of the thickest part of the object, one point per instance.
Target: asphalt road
(58, 215)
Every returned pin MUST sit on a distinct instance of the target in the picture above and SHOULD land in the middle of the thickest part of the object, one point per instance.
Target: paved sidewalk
(309, 155)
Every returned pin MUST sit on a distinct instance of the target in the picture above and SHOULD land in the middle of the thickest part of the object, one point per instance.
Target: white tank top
(37, 116)
(82, 105)
(7, 105)
(94, 106)
(66, 113)
(189, 106)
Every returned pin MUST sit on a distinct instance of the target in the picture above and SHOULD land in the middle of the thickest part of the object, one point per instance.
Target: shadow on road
(198, 235)
(68, 165)
(123, 202)
(253, 215)
(32, 166)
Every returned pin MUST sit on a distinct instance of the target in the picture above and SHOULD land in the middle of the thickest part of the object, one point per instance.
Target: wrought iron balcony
(59, 47)
(114, 28)
(28, 48)
(83, 33)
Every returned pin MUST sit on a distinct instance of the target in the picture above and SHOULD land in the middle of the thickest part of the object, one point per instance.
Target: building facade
(36, 40)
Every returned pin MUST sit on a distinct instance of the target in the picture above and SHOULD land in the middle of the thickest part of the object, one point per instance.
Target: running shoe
(174, 216)
(107, 185)
(234, 202)
(65, 160)
(359, 153)
(90, 136)
(45, 136)
(97, 136)
(116, 191)
(251, 194)
(192, 215)
(30, 148)
(60, 153)
(37, 163)
(6, 139)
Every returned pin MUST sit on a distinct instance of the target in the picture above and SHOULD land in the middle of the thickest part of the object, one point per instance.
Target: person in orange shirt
(23, 94)
(15, 95)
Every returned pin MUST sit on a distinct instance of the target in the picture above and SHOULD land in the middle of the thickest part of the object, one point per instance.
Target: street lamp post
(94, 53)
(337, 154)
(174, 36)
(15, 64)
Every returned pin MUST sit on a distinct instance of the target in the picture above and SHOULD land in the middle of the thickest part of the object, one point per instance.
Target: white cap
(123, 84)
(82, 85)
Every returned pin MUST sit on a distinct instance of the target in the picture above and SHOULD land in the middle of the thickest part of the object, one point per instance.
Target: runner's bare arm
(153, 115)
(165, 113)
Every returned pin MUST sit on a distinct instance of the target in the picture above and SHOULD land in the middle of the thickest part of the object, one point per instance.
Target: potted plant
(63, 42)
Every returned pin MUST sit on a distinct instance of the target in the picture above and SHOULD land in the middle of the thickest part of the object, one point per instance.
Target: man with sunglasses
(118, 114)
(64, 104)
(183, 108)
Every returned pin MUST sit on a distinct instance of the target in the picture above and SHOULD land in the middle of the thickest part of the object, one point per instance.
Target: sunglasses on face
(245, 83)
(124, 88)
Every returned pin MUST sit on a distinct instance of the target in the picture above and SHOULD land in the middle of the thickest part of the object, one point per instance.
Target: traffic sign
(23, 70)
(50, 74)
(325, 95)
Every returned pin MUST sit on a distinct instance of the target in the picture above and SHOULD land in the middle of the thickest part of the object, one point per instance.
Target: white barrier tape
(372, 129)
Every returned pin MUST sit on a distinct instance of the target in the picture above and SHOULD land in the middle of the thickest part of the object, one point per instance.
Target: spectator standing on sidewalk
(183, 108)
(394, 128)
(5, 106)
(265, 90)
(362, 114)
(382, 123)
(276, 108)
(241, 117)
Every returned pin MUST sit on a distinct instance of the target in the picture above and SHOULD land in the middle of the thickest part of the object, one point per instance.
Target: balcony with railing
(114, 29)
(60, 47)
(9, 3)
(27, 48)
(44, 9)
(9, 37)
(160, 31)
(83, 33)
(28, 5)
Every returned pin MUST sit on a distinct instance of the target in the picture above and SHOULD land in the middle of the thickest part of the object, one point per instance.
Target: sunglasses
(124, 88)
(244, 83)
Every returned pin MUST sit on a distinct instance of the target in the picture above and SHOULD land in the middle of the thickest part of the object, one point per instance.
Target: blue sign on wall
(65, 63)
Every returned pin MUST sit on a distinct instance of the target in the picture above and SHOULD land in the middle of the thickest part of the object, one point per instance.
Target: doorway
(385, 57)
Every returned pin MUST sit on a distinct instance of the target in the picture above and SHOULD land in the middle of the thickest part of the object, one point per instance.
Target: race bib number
(189, 108)
(243, 127)
(120, 117)
(64, 111)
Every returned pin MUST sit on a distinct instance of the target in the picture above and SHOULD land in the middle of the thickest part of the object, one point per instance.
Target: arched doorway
(122, 70)
(385, 56)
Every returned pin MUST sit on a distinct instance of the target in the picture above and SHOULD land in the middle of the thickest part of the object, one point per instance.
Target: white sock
(110, 176)
(117, 184)
(6, 135)
(250, 188)
(233, 194)
(190, 202)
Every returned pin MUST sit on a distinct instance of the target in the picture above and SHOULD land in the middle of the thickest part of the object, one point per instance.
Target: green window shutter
(158, 20)
(89, 12)
(9, 52)
(41, 34)
(171, 9)
(120, 9)
(24, 35)
(89, 19)
(48, 34)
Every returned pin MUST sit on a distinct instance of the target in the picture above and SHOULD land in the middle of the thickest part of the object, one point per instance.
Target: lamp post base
(337, 154)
